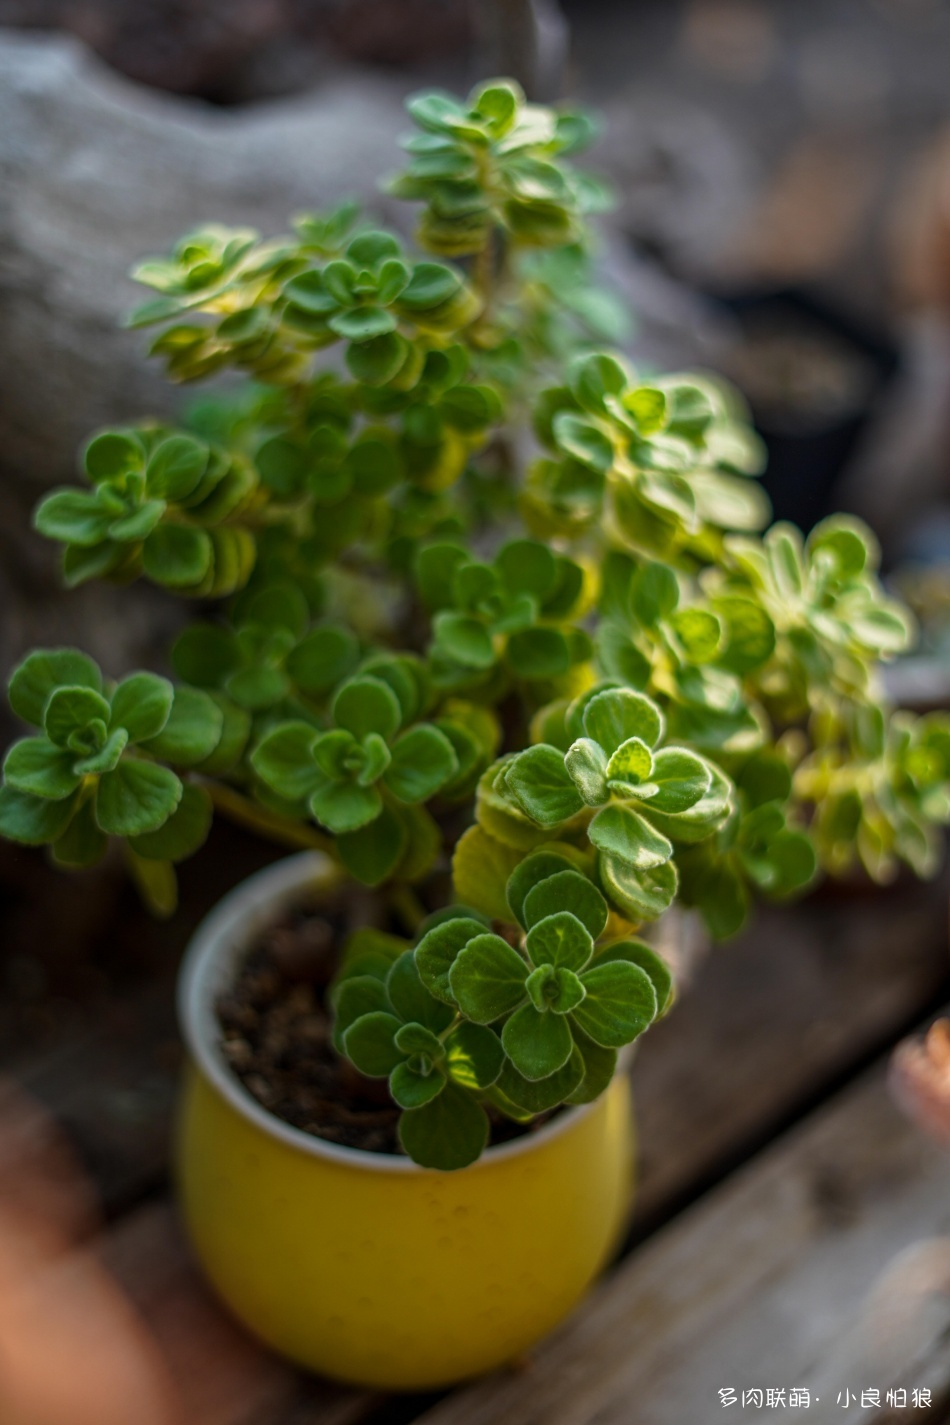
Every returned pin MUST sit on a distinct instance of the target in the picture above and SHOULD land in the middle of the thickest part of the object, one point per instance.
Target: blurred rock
(94, 174)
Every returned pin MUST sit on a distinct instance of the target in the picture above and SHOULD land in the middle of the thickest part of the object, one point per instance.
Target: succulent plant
(487, 598)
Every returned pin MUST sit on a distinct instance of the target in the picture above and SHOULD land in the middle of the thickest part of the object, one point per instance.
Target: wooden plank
(823, 1264)
(774, 1020)
(223, 1377)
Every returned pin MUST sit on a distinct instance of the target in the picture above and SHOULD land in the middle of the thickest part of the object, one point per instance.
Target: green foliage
(487, 599)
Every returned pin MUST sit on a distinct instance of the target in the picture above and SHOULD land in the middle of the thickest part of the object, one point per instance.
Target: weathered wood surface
(823, 1264)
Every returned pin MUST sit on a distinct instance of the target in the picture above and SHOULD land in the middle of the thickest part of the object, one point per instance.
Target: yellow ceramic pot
(364, 1266)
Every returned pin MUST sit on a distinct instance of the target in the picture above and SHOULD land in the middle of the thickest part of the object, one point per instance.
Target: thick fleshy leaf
(45, 670)
(423, 760)
(481, 867)
(637, 952)
(370, 1044)
(137, 797)
(414, 1039)
(33, 820)
(560, 940)
(529, 873)
(355, 996)
(464, 640)
(449, 1133)
(628, 836)
(538, 1095)
(284, 760)
(437, 950)
(488, 978)
(542, 786)
(632, 763)
(586, 763)
(322, 660)
(365, 705)
(183, 833)
(82, 843)
(620, 1003)
(567, 890)
(142, 704)
(617, 714)
(38, 768)
(178, 556)
(600, 1065)
(106, 758)
(538, 653)
(73, 517)
(538, 1044)
(473, 1055)
(72, 710)
(683, 780)
(639, 895)
(372, 853)
(175, 467)
(411, 1088)
(191, 731)
(205, 655)
(345, 806)
(411, 999)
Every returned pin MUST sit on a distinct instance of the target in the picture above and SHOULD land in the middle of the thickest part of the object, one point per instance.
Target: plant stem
(271, 824)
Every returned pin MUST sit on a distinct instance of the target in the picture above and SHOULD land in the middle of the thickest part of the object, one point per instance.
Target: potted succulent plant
(475, 597)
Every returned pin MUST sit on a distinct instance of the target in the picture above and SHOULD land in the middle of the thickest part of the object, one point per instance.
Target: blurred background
(782, 172)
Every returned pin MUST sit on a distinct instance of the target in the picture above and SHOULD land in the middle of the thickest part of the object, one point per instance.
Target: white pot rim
(207, 969)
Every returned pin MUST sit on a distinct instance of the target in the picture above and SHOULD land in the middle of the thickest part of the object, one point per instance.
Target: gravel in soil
(276, 1036)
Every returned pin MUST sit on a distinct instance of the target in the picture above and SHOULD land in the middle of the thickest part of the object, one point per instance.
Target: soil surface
(276, 1035)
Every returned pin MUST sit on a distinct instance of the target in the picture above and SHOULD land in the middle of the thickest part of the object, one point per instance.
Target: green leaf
(750, 635)
(414, 1038)
(683, 780)
(464, 640)
(33, 820)
(637, 952)
(538, 653)
(600, 1065)
(82, 843)
(284, 760)
(539, 1095)
(560, 940)
(354, 997)
(488, 978)
(423, 760)
(631, 764)
(378, 360)
(175, 466)
(542, 786)
(322, 660)
(430, 285)
(73, 517)
(654, 593)
(370, 1044)
(411, 1089)
(345, 806)
(76, 711)
(365, 705)
(617, 714)
(620, 1003)
(42, 672)
(204, 655)
(448, 1133)
(567, 890)
(437, 950)
(37, 767)
(481, 866)
(177, 555)
(473, 1056)
(138, 525)
(626, 835)
(527, 567)
(579, 437)
(183, 833)
(362, 323)
(410, 997)
(639, 895)
(137, 797)
(586, 763)
(372, 853)
(192, 730)
(107, 756)
(528, 874)
(142, 704)
(538, 1044)
(112, 453)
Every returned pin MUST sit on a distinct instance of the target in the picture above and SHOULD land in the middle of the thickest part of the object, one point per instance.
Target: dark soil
(276, 1029)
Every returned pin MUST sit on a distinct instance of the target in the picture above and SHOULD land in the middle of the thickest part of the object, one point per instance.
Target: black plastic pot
(810, 440)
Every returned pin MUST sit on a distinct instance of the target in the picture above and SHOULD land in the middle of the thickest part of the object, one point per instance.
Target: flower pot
(361, 1265)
